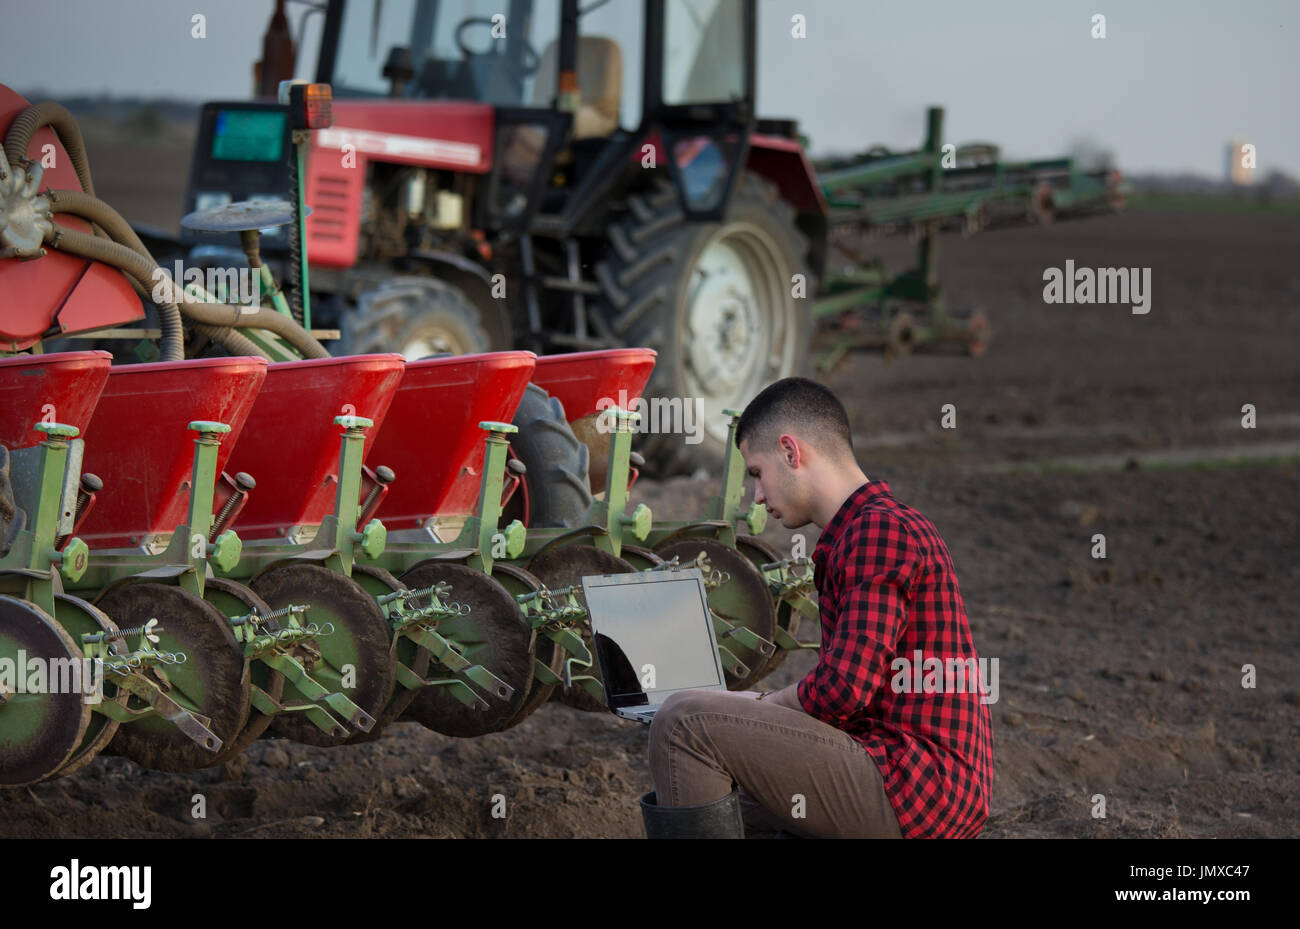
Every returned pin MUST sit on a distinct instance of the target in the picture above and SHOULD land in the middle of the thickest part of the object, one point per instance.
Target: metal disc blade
(234, 599)
(760, 553)
(79, 617)
(39, 730)
(355, 659)
(493, 634)
(378, 582)
(213, 681)
(639, 557)
(743, 600)
(564, 566)
(242, 216)
(518, 581)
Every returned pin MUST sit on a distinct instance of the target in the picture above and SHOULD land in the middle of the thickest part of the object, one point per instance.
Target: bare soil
(1120, 678)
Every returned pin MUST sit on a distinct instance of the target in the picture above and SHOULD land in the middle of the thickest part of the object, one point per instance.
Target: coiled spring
(308, 631)
(553, 606)
(437, 605)
(135, 661)
(713, 577)
(147, 630)
(260, 619)
(789, 576)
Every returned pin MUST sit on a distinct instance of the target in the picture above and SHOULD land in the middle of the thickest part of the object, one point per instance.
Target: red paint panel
(102, 297)
(435, 134)
(36, 290)
(61, 388)
(581, 379)
(291, 446)
(139, 444)
(432, 440)
(784, 162)
(334, 193)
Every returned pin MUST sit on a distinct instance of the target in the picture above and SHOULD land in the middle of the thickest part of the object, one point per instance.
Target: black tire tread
(558, 464)
(640, 274)
(370, 327)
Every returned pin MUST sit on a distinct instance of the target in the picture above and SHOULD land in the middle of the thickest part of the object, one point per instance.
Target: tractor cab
(564, 80)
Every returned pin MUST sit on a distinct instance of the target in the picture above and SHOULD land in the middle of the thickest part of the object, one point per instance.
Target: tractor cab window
(489, 51)
(703, 51)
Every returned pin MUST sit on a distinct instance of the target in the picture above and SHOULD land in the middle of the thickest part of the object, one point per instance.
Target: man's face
(778, 484)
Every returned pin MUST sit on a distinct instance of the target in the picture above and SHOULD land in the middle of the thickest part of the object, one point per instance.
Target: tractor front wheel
(415, 317)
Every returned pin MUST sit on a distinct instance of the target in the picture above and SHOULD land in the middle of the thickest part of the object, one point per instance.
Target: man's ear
(790, 450)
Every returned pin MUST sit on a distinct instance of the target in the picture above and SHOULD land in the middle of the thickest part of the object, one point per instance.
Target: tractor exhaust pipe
(278, 55)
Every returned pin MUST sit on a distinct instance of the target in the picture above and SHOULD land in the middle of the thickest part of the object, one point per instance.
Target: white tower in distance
(1234, 172)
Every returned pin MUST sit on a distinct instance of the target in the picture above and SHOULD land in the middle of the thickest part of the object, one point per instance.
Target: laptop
(653, 636)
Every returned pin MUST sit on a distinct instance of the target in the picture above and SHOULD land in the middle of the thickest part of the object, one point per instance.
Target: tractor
(483, 188)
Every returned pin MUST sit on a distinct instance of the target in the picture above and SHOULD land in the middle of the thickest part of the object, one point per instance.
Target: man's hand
(786, 697)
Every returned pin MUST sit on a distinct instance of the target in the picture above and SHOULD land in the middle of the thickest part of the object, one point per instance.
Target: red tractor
(541, 175)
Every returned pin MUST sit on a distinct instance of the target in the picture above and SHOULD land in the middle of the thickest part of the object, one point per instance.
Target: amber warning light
(309, 104)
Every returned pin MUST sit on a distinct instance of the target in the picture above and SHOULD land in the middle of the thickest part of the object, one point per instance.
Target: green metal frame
(187, 562)
(858, 196)
(36, 569)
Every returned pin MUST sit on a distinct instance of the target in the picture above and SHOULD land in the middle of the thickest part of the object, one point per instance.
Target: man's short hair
(801, 407)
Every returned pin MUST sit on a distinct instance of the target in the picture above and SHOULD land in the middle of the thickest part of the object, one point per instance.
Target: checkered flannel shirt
(887, 589)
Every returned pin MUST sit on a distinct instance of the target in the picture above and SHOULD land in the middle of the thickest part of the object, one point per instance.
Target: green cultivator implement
(322, 626)
(920, 194)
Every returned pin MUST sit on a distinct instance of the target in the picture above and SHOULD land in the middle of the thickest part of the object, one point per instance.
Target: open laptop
(653, 636)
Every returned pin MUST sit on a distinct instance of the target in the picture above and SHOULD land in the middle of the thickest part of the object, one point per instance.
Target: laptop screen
(653, 638)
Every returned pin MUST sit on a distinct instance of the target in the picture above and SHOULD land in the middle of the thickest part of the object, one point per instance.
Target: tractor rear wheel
(415, 317)
(556, 489)
(716, 300)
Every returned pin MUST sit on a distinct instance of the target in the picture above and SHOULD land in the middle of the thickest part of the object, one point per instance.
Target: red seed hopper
(139, 444)
(290, 444)
(60, 388)
(582, 380)
(432, 440)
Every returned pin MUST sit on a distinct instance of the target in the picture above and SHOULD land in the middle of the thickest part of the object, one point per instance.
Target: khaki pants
(702, 741)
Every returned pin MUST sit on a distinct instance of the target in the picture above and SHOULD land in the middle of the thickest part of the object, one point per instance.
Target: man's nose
(759, 497)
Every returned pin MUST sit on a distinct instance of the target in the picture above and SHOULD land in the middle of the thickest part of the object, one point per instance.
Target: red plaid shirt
(886, 590)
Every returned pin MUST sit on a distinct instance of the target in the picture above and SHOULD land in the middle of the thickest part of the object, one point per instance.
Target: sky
(1165, 90)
